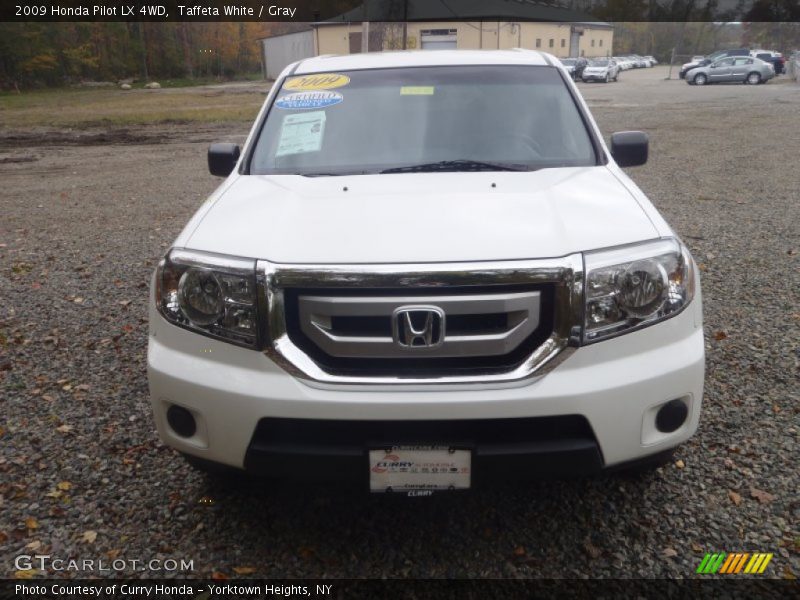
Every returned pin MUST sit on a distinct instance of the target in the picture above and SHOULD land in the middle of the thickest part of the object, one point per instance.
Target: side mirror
(222, 158)
(629, 148)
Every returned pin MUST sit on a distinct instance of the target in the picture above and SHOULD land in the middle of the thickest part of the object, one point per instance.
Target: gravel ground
(82, 474)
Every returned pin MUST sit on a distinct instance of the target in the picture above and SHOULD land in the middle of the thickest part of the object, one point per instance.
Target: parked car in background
(700, 61)
(601, 69)
(622, 62)
(574, 66)
(770, 56)
(651, 60)
(742, 69)
(693, 64)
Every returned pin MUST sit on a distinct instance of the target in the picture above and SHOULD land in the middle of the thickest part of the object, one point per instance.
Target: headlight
(635, 286)
(210, 294)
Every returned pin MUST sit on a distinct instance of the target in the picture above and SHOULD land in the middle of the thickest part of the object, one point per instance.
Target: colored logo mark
(324, 81)
(737, 562)
(306, 100)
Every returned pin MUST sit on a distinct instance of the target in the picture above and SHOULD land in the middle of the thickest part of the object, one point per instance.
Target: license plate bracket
(419, 469)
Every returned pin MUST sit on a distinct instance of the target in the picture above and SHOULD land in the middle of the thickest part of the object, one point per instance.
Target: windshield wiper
(458, 165)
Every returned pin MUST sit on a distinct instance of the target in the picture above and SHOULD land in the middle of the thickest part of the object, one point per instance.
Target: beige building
(446, 24)
(561, 39)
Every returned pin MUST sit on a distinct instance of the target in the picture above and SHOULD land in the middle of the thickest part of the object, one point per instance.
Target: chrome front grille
(422, 323)
(380, 326)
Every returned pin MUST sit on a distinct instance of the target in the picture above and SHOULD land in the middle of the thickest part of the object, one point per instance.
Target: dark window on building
(563, 43)
(551, 42)
(538, 42)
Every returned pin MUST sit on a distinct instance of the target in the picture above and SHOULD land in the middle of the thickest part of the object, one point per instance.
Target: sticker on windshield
(416, 90)
(301, 133)
(306, 100)
(323, 81)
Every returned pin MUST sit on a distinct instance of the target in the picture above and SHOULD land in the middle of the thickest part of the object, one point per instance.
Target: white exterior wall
(283, 50)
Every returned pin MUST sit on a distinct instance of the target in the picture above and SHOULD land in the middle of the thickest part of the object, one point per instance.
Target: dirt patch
(65, 137)
(18, 159)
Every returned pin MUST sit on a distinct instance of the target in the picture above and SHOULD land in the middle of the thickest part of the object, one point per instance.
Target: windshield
(434, 118)
(568, 61)
(598, 63)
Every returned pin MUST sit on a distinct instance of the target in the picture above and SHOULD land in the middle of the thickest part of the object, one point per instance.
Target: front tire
(753, 78)
(700, 79)
(606, 80)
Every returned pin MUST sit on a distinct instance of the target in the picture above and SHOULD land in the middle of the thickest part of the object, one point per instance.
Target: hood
(422, 217)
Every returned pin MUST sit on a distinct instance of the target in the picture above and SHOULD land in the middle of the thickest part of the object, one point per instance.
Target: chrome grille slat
(318, 311)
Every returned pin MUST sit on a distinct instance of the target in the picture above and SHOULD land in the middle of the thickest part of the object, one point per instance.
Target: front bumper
(616, 386)
(594, 76)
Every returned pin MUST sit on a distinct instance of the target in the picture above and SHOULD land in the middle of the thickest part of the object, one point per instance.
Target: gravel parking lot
(85, 216)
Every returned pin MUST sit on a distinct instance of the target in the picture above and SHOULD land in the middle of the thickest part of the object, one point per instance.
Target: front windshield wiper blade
(458, 165)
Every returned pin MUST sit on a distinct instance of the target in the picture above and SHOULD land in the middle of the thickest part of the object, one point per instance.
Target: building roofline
(591, 24)
(277, 35)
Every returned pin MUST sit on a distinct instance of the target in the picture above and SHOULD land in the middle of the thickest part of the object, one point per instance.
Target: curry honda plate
(413, 469)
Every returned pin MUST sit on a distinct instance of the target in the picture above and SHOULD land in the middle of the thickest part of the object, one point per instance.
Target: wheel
(700, 79)
(753, 78)
(616, 77)
(606, 80)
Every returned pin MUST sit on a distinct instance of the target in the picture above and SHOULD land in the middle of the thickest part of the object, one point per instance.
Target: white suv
(424, 271)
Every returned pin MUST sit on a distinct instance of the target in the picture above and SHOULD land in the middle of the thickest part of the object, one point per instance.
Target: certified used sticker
(323, 81)
(306, 100)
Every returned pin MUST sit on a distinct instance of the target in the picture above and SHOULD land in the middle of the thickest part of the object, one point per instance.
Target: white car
(623, 63)
(425, 271)
(601, 69)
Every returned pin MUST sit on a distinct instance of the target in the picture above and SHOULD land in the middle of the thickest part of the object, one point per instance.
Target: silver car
(743, 69)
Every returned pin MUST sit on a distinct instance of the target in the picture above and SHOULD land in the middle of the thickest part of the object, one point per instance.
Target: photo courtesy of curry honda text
(426, 271)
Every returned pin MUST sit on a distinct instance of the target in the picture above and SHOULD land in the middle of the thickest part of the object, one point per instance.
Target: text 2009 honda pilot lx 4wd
(425, 270)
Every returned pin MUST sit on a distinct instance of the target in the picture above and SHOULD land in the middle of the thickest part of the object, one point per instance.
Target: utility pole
(365, 36)
(365, 29)
(144, 51)
(405, 24)
(677, 46)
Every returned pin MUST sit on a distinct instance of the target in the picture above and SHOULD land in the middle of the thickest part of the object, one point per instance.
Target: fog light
(671, 416)
(181, 421)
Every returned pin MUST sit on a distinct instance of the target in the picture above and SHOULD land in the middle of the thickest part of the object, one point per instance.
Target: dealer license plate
(419, 470)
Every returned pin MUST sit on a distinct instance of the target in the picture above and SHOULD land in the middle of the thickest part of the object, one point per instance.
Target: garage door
(438, 39)
(437, 44)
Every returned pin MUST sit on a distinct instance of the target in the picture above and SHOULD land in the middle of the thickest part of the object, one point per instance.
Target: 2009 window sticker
(301, 133)
(322, 81)
(308, 100)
